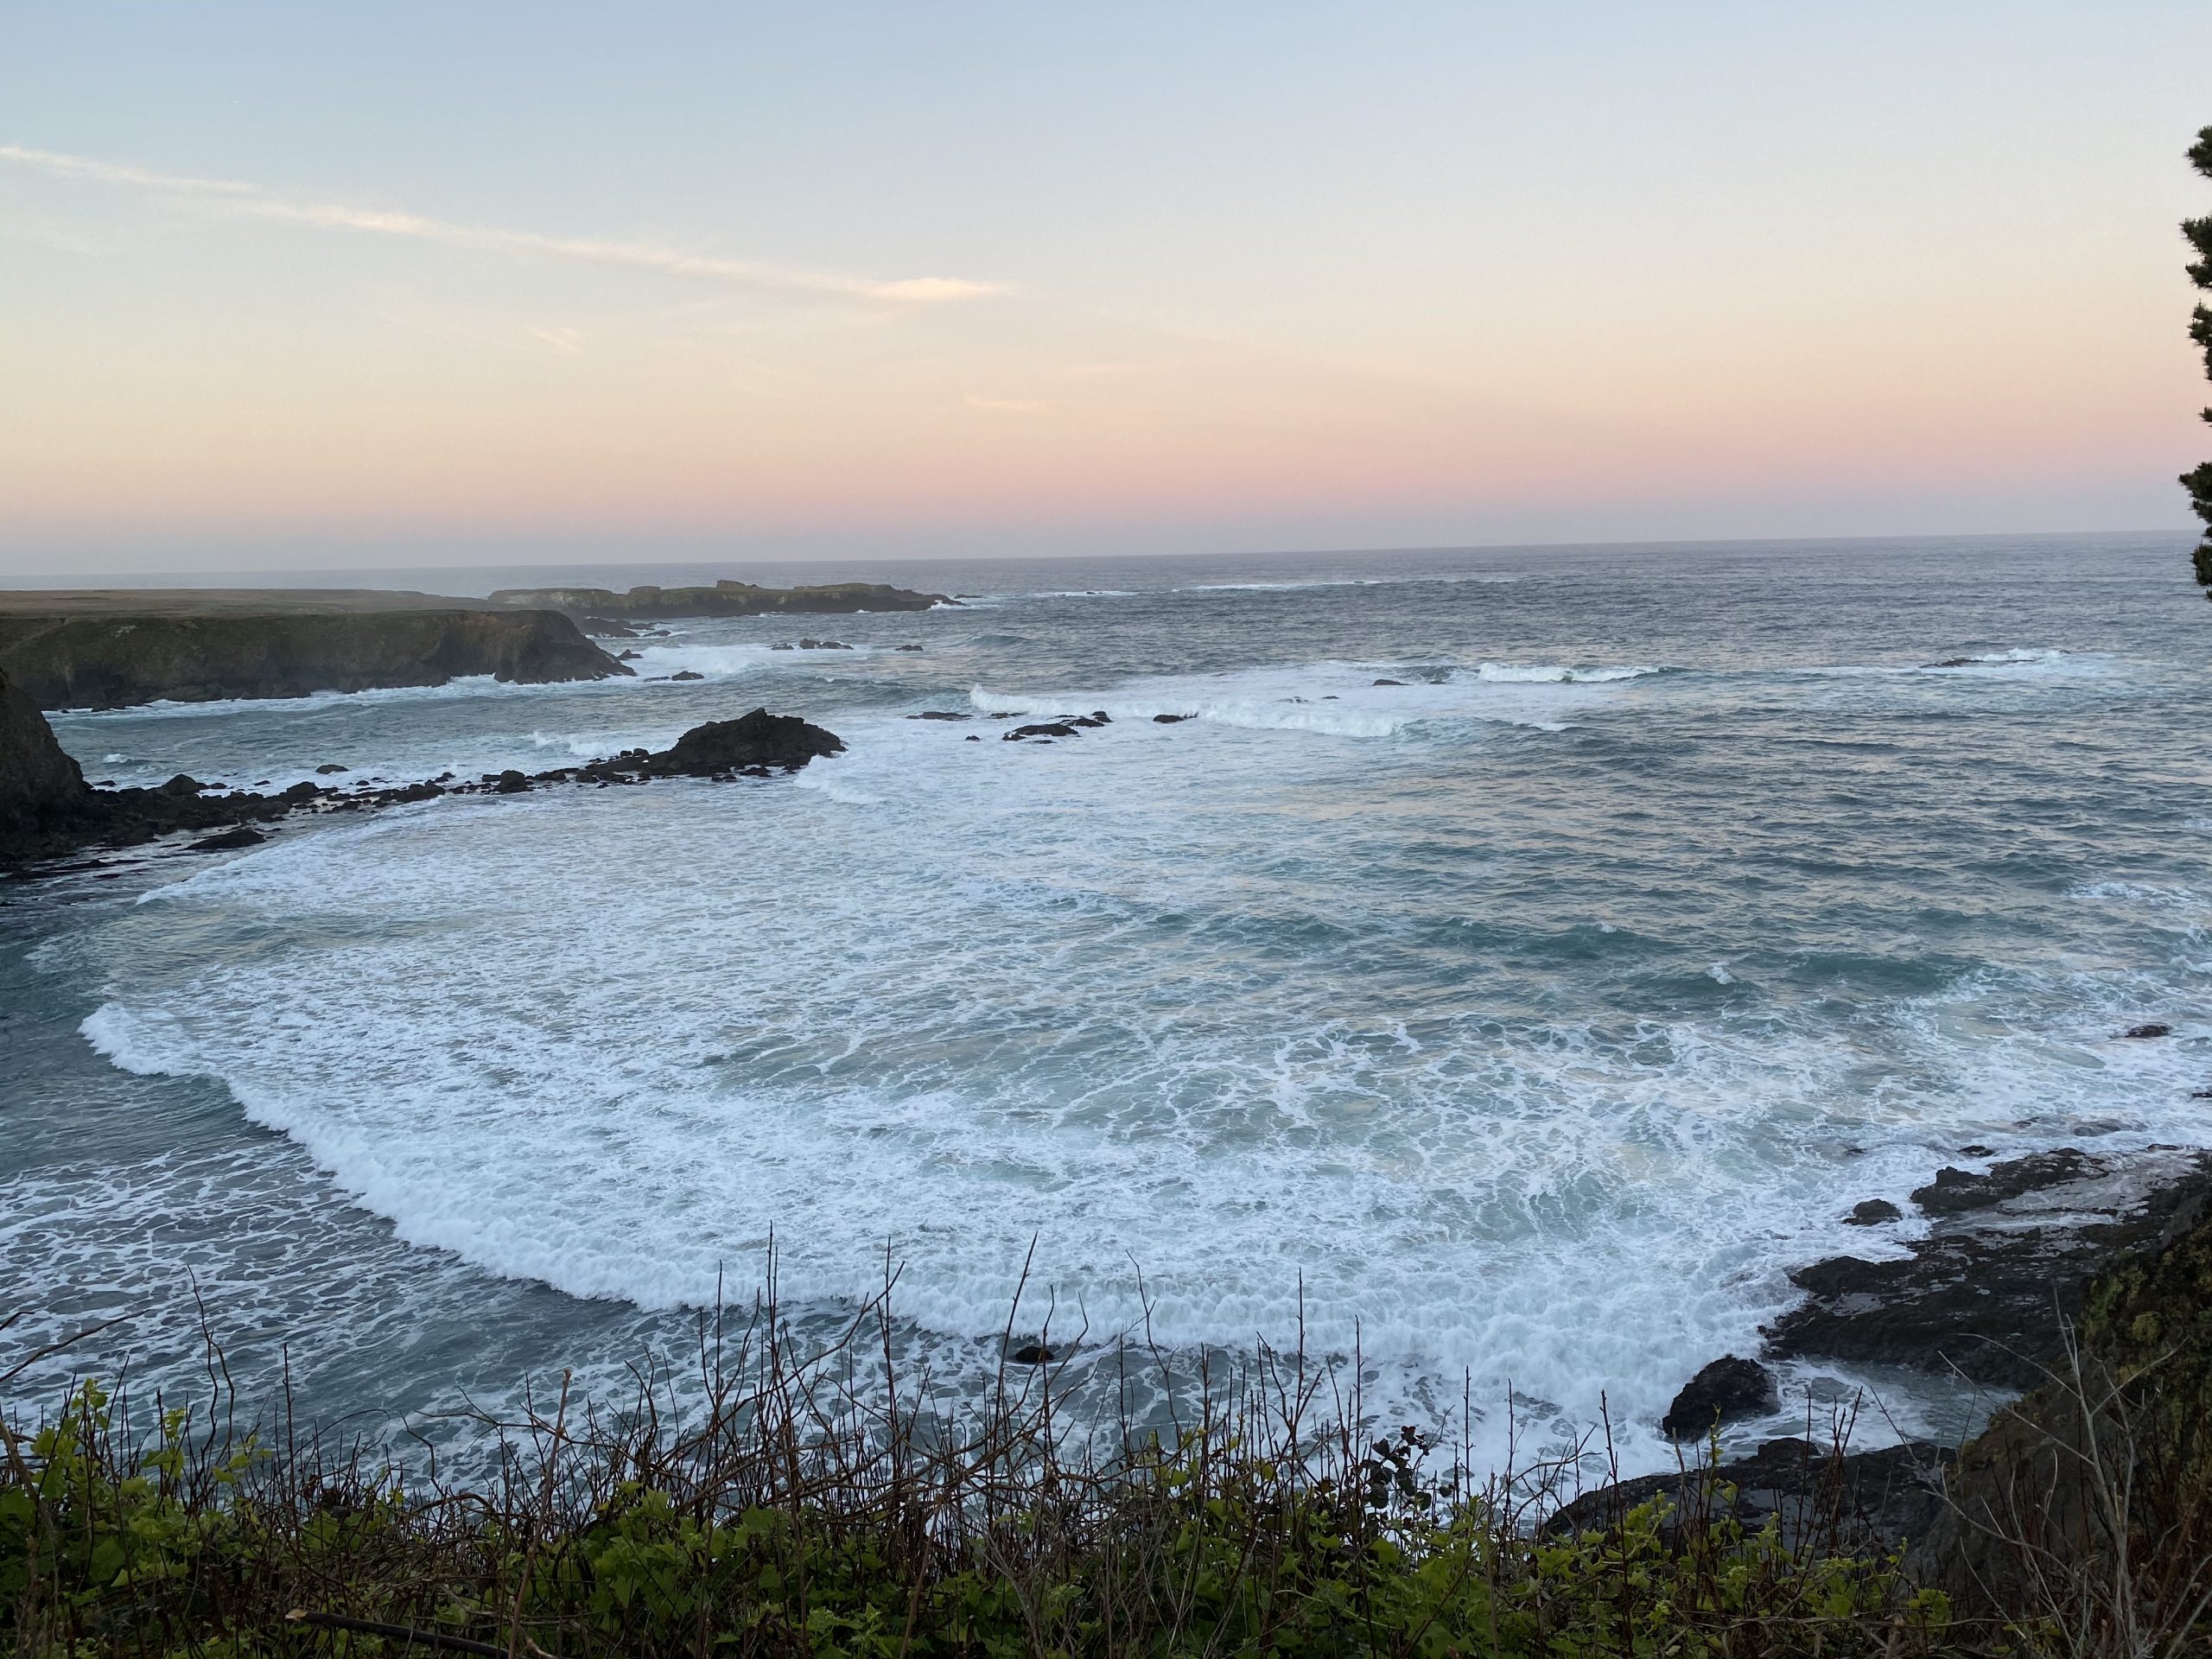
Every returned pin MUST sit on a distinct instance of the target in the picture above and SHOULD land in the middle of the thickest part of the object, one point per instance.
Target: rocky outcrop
(42, 790)
(115, 658)
(1820, 1500)
(47, 812)
(598, 606)
(2108, 1461)
(1727, 1391)
(2008, 1255)
(778, 742)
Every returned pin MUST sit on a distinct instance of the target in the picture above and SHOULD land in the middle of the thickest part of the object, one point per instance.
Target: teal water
(1521, 1023)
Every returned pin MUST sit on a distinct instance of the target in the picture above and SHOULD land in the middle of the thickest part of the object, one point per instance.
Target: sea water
(1516, 1026)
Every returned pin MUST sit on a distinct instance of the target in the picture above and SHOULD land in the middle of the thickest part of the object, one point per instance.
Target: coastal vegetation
(106, 649)
(2198, 481)
(824, 1503)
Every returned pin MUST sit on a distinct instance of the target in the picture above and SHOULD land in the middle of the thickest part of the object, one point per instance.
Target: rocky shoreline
(2019, 1260)
(48, 813)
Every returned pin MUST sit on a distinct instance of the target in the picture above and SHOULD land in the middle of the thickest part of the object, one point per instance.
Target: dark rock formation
(47, 810)
(1389, 682)
(2008, 1255)
(754, 743)
(2027, 1492)
(1842, 1504)
(1171, 720)
(687, 674)
(1874, 1212)
(1034, 1353)
(724, 598)
(107, 650)
(1727, 1391)
(41, 788)
(1041, 729)
(2142, 1032)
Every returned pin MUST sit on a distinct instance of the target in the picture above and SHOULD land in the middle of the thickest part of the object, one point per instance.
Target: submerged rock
(2140, 1032)
(230, 840)
(1727, 1391)
(687, 674)
(1042, 728)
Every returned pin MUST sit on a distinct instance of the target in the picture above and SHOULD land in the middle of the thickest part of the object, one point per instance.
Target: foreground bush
(803, 1509)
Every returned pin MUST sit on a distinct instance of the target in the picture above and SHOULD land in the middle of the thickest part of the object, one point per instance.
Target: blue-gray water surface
(1518, 962)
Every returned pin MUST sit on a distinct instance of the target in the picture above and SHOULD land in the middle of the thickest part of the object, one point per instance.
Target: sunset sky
(411, 284)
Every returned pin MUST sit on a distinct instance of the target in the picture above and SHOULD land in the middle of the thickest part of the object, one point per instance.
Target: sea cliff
(105, 650)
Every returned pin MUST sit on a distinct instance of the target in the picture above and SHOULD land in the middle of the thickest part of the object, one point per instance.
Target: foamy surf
(1537, 1013)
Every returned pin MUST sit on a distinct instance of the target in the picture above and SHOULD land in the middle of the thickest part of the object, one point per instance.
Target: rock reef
(109, 650)
(47, 810)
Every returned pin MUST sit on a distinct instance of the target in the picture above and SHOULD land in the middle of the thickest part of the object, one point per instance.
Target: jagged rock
(1042, 728)
(1727, 1391)
(687, 674)
(1874, 1212)
(906, 647)
(2004, 1261)
(782, 741)
(510, 781)
(1955, 1190)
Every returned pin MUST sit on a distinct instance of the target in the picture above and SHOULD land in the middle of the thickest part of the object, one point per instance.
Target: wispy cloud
(238, 197)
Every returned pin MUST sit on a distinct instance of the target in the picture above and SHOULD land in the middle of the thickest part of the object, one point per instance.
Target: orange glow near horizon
(1469, 319)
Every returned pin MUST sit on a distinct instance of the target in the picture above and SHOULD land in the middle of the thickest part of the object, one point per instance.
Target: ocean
(1514, 1027)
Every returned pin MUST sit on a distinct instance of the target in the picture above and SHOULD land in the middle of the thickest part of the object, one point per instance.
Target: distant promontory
(590, 606)
(110, 648)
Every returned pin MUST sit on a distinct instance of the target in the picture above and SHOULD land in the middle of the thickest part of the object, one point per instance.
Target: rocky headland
(47, 812)
(601, 610)
(112, 648)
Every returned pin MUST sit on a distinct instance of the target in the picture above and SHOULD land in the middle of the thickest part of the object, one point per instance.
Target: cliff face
(40, 788)
(110, 660)
(724, 598)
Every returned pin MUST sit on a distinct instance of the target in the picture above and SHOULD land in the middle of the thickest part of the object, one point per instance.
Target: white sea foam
(1333, 699)
(949, 997)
